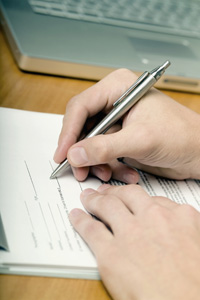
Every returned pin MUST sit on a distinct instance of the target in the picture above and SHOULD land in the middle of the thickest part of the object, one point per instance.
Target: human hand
(152, 248)
(87, 105)
(157, 135)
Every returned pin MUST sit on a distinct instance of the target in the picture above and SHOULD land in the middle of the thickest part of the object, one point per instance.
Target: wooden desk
(50, 94)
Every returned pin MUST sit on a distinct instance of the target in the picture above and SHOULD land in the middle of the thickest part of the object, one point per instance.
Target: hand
(152, 250)
(157, 135)
(98, 98)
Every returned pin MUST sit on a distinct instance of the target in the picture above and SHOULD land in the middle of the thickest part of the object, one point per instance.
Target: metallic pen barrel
(121, 106)
(60, 169)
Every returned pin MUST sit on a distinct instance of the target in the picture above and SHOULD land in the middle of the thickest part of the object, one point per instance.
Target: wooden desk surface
(50, 94)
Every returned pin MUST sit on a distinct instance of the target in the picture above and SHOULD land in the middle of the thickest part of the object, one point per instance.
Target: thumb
(100, 149)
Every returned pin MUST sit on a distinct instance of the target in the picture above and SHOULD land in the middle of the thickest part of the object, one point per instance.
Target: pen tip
(53, 175)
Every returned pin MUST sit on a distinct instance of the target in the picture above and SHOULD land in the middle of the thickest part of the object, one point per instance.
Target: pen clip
(132, 87)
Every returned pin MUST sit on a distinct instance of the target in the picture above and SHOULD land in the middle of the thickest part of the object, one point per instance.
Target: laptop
(89, 38)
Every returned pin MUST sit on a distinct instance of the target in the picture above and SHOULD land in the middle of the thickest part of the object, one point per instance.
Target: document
(36, 237)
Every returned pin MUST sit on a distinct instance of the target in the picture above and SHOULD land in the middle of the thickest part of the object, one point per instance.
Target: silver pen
(121, 106)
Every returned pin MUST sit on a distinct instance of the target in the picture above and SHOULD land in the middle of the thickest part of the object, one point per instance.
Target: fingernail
(130, 178)
(78, 156)
(75, 212)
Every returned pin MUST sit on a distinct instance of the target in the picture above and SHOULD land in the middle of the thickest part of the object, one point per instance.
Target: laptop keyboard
(178, 17)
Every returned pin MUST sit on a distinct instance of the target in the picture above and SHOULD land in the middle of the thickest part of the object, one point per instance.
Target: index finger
(99, 97)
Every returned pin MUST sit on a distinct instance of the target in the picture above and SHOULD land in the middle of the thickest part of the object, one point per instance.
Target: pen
(121, 106)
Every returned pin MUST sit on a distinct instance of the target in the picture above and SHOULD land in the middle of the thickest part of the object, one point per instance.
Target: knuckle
(73, 101)
(107, 202)
(157, 211)
(124, 72)
(122, 75)
(133, 188)
(75, 104)
(103, 204)
(187, 210)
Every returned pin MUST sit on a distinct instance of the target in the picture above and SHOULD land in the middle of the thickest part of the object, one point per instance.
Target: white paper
(180, 191)
(34, 208)
(36, 234)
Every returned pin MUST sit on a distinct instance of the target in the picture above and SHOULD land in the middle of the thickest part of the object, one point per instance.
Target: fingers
(80, 173)
(117, 207)
(108, 208)
(114, 170)
(135, 197)
(71, 128)
(103, 172)
(123, 173)
(92, 231)
(98, 150)
(95, 99)
(135, 141)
